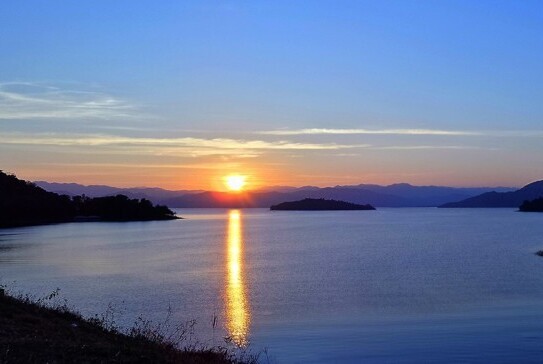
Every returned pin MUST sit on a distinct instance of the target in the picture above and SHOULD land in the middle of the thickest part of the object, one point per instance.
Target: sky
(177, 94)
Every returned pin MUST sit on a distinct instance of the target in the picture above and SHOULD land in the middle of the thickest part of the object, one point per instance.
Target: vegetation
(23, 203)
(532, 206)
(33, 332)
(120, 208)
(320, 204)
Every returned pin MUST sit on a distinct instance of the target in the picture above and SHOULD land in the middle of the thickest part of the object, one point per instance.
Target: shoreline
(81, 219)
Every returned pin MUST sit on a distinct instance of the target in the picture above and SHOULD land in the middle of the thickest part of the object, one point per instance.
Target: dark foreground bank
(33, 333)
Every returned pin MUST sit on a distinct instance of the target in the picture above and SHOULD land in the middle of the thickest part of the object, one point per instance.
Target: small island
(532, 206)
(319, 204)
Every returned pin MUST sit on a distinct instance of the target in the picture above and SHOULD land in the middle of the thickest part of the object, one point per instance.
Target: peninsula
(23, 203)
(312, 204)
(532, 206)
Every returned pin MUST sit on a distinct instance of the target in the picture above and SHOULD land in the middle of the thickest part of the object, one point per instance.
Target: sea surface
(394, 285)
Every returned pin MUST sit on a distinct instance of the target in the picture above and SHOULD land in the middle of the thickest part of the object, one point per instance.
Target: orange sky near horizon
(189, 163)
(212, 177)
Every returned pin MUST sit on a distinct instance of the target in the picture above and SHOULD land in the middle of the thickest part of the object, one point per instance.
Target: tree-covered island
(316, 204)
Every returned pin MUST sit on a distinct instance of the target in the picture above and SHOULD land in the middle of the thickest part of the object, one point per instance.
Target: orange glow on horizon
(211, 178)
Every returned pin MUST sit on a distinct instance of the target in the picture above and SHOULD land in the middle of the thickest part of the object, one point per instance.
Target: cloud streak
(196, 147)
(424, 147)
(189, 145)
(30, 100)
(316, 131)
(406, 132)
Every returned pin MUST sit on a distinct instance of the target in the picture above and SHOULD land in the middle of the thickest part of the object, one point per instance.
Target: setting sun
(235, 182)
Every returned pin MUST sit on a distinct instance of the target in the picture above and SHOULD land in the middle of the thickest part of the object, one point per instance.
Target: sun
(235, 182)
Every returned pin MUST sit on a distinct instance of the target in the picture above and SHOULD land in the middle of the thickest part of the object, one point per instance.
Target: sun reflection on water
(237, 308)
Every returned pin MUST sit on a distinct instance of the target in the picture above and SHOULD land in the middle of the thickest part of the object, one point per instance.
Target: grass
(34, 331)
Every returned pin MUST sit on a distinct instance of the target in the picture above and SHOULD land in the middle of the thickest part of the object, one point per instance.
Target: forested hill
(23, 203)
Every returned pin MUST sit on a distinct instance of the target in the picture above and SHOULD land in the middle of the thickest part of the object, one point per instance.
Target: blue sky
(175, 94)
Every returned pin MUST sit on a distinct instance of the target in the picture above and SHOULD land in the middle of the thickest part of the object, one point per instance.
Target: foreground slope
(32, 333)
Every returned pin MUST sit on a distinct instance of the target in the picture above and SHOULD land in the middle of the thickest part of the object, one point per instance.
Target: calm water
(393, 285)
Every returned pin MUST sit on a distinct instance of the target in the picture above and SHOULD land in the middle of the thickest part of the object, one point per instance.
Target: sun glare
(235, 182)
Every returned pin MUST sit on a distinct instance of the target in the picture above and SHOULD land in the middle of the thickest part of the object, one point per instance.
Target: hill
(501, 199)
(23, 203)
(314, 204)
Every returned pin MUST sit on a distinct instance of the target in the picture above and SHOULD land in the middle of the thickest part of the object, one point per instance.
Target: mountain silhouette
(395, 195)
(502, 199)
(400, 195)
(154, 194)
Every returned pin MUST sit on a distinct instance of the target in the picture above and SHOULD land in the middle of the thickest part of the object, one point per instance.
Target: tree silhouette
(24, 203)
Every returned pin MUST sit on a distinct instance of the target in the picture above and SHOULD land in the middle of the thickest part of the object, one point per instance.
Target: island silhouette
(315, 204)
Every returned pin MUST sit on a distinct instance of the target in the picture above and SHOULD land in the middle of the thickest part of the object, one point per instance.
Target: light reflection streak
(238, 315)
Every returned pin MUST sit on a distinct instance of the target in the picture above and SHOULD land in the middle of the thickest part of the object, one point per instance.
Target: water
(393, 285)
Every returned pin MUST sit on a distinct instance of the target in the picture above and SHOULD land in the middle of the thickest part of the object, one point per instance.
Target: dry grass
(31, 331)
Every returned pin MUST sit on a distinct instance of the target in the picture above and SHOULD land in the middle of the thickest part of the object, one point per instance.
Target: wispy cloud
(423, 147)
(400, 132)
(516, 133)
(193, 146)
(145, 165)
(315, 131)
(29, 100)
(198, 147)
(407, 148)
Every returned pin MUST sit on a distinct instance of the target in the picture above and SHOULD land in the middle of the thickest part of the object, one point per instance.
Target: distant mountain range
(502, 199)
(396, 195)
(73, 189)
